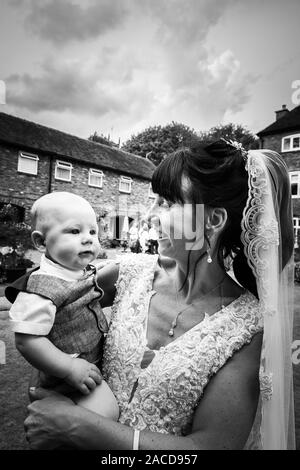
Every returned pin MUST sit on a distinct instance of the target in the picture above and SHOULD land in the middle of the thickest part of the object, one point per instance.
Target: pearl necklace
(174, 322)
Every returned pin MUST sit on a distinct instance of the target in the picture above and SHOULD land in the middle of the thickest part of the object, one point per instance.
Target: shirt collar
(54, 269)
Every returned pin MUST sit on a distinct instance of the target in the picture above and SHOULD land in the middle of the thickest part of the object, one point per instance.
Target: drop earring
(209, 258)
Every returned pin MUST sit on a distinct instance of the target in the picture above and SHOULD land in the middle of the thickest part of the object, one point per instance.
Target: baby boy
(58, 322)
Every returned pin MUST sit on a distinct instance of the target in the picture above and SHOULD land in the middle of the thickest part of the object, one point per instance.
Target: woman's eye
(164, 203)
(74, 231)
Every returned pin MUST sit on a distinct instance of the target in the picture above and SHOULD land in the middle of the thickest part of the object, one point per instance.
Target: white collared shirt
(33, 314)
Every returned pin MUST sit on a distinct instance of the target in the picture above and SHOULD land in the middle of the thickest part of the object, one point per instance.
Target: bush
(13, 234)
(109, 243)
(102, 255)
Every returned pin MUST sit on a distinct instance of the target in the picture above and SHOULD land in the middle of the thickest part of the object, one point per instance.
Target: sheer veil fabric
(267, 236)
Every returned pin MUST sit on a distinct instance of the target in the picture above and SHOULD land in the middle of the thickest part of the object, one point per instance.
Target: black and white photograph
(149, 228)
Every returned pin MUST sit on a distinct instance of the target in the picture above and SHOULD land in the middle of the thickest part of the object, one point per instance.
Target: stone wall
(23, 189)
(20, 188)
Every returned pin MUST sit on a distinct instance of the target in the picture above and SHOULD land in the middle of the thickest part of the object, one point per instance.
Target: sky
(119, 66)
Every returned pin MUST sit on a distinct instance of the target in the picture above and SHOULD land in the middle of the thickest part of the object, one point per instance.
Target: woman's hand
(50, 420)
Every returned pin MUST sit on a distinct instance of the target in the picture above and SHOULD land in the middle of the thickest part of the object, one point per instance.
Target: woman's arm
(223, 419)
(106, 279)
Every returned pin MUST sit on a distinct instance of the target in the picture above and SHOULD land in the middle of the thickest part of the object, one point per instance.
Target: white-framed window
(28, 163)
(125, 184)
(95, 178)
(295, 183)
(63, 171)
(296, 222)
(290, 143)
(151, 194)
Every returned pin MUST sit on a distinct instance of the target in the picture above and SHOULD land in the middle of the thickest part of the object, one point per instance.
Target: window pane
(296, 142)
(286, 144)
(63, 173)
(27, 165)
(294, 189)
(294, 178)
(125, 185)
(95, 180)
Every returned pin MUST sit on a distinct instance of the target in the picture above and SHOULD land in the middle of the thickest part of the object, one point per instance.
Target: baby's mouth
(86, 253)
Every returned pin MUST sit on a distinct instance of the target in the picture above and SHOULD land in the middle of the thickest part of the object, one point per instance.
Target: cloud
(185, 22)
(63, 21)
(154, 68)
(197, 85)
(91, 86)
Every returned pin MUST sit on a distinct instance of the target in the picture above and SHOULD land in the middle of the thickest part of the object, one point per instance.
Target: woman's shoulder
(107, 277)
(137, 261)
(136, 270)
(245, 315)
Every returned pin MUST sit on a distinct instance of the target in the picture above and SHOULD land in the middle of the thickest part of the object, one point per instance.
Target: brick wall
(23, 189)
(109, 197)
(19, 188)
(292, 159)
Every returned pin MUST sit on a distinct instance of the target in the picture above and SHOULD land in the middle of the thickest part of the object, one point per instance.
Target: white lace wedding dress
(162, 397)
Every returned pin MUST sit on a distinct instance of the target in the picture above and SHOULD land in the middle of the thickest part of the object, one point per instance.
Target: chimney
(282, 112)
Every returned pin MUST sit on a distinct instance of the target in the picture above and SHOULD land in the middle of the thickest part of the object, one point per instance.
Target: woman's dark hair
(218, 178)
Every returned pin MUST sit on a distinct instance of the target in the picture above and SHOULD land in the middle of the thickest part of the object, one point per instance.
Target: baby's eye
(74, 231)
(93, 232)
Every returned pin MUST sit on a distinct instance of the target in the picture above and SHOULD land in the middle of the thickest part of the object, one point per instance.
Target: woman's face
(180, 227)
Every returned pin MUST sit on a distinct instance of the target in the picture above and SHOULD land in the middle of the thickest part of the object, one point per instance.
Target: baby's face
(72, 237)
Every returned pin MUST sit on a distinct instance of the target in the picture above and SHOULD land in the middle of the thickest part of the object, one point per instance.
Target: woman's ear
(38, 240)
(216, 220)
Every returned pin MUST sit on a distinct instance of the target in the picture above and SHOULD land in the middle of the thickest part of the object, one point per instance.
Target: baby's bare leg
(101, 401)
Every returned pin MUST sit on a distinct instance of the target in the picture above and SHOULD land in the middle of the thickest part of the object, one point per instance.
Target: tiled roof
(28, 135)
(289, 122)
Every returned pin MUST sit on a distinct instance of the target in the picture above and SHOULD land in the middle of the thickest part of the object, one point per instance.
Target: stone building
(283, 136)
(36, 160)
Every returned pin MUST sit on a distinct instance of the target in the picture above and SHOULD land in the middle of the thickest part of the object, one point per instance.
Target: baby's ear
(38, 240)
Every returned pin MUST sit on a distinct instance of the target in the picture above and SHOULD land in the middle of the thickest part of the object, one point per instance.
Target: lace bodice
(163, 396)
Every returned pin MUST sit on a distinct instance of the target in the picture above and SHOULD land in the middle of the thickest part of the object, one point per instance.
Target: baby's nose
(87, 238)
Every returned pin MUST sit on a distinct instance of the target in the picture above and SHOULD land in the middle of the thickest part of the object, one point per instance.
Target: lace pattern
(170, 388)
(260, 232)
(263, 235)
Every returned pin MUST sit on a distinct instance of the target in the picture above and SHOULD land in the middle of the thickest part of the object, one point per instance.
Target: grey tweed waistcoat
(80, 323)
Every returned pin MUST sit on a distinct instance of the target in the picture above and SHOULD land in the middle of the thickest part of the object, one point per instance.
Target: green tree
(231, 132)
(156, 142)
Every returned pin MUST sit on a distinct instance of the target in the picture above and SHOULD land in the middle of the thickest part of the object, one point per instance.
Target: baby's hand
(83, 376)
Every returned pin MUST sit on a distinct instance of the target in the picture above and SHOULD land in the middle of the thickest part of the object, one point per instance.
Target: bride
(195, 358)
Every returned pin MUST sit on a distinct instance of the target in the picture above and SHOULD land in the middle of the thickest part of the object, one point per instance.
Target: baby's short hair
(50, 203)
